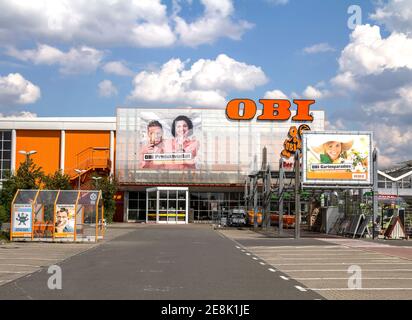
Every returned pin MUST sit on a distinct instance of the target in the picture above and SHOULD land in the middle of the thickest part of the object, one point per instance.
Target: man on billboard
(155, 145)
(63, 221)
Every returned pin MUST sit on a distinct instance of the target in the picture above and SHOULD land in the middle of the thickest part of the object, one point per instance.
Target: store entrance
(167, 205)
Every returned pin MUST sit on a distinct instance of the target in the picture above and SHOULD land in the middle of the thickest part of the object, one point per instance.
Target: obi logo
(22, 218)
(273, 110)
(294, 141)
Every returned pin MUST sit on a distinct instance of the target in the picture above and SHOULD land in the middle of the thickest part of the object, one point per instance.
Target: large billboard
(337, 158)
(169, 141)
(194, 146)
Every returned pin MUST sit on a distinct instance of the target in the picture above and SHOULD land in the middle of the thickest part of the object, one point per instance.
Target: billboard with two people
(337, 158)
(169, 141)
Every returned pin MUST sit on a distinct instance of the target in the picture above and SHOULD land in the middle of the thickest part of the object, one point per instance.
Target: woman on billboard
(182, 142)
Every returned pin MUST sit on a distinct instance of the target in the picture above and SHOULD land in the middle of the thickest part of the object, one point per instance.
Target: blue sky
(85, 58)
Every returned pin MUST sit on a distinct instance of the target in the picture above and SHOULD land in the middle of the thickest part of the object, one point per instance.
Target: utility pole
(281, 181)
(297, 194)
(375, 190)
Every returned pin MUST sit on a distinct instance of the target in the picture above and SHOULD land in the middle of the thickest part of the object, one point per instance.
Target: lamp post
(79, 172)
(96, 180)
(27, 153)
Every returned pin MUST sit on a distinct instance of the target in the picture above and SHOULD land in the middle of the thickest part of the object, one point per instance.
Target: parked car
(237, 217)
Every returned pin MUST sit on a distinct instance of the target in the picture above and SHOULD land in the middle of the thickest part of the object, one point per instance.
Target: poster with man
(64, 220)
(170, 140)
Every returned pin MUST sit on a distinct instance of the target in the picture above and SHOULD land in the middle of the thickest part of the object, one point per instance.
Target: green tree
(108, 186)
(28, 176)
(57, 181)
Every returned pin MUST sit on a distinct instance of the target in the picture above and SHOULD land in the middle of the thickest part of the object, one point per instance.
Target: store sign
(342, 158)
(273, 110)
(22, 220)
(294, 141)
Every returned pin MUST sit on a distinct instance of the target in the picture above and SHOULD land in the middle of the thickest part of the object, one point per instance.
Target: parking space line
(254, 258)
(300, 288)
(363, 278)
(262, 263)
(284, 278)
(360, 289)
(343, 263)
(272, 270)
(19, 265)
(346, 270)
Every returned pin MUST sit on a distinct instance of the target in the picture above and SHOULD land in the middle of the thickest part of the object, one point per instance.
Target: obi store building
(172, 165)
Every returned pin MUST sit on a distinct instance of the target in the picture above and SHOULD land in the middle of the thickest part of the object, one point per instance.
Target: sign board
(22, 220)
(337, 158)
(64, 220)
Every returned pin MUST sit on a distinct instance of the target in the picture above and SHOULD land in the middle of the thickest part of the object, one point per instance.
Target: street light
(79, 172)
(27, 153)
(96, 179)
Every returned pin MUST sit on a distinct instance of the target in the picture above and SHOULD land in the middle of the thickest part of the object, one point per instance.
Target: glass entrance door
(167, 205)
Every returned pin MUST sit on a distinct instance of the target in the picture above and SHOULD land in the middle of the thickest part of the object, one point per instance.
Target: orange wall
(47, 145)
(78, 141)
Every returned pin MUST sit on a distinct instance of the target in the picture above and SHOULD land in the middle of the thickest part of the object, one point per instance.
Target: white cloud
(319, 48)
(369, 53)
(76, 60)
(117, 68)
(107, 89)
(20, 114)
(215, 23)
(314, 93)
(16, 90)
(376, 73)
(205, 84)
(275, 94)
(138, 23)
(278, 2)
(396, 15)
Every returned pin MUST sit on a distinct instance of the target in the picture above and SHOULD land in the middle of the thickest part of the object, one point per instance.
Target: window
(5, 153)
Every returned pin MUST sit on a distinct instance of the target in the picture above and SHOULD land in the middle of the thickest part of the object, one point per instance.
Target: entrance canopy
(167, 205)
(57, 215)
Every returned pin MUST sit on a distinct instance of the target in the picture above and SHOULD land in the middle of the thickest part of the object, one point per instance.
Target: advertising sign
(169, 140)
(337, 158)
(22, 220)
(64, 220)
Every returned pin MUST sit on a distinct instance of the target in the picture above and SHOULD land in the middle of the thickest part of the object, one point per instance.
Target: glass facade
(5, 154)
(226, 150)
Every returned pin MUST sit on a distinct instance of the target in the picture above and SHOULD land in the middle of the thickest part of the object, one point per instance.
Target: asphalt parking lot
(322, 264)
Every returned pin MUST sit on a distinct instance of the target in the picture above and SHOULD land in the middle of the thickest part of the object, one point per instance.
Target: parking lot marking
(27, 258)
(272, 270)
(284, 278)
(13, 271)
(360, 289)
(346, 278)
(346, 270)
(262, 263)
(19, 265)
(237, 247)
(341, 263)
(300, 288)
(247, 253)
(254, 258)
